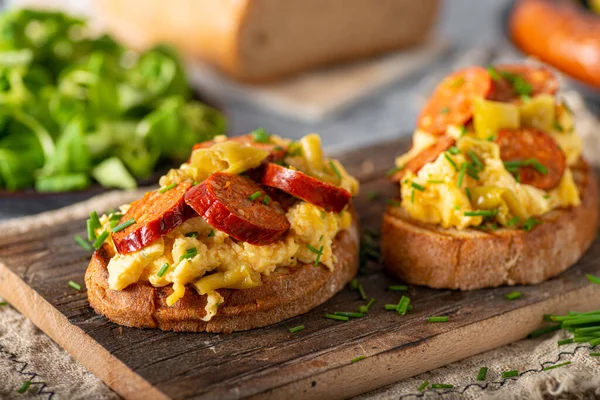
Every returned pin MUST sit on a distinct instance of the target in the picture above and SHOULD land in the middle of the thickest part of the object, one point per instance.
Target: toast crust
(425, 254)
(284, 294)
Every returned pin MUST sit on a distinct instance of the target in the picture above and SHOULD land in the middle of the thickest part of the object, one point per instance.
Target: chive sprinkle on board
(423, 386)
(167, 188)
(357, 359)
(513, 295)
(557, 366)
(441, 386)
(82, 243)
(296, 329)
(543, 331)
(510, 374)
(438, 319)
(353, 284)
(24, 387)
(481, 375)
(349, 314)
(564, 341)
(592, 278)
(3, 303)
(361, 292)
(398, 288)
(75, 285)
(337, 317)
(162, 270)
(373, 195)
(594, 354)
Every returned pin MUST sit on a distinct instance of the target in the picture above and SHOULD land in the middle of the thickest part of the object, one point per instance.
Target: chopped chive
(3, 303)
(525, 98)
(90, 230)
(510, 374)
(594, 354)
(335, 170)
(115, 217)
(266, 200)
(451, 161)
(254, 195)
(482, 373)
(454, 150)
(350, 314)
(75, 285)
(369, 304)
(192, 234)
(296, 329)
(313, 249)
(337, 317)
(393, 203)
(530, 223)
(82, 243)
(423, 386)
(537, 165)
(491, 138)
(196, 183)
(361, 292)
(558, 126)
(95, 220)
(189, 253)
(481, 213)
(461, 175)
(437, 319)
(24, 387)
(211, 233)
(441, 386)
(403, 305)
(593, 279)
(412, 197)
(595, 342)
(513, 295)
(100, 240)
(463, 131)
(354, 284)
(260, 135)
(564, 341)
(391, 307)
(393, 171)
(357, 359)
(475, 159)
(543, 331)
(373, 195)
(124, 225)
(162, 270)
(417, 186)
(493, 74)
(445, 110)
(513, 221)
(468, 193)
(167, 188)
(398, 288)
(435, 181)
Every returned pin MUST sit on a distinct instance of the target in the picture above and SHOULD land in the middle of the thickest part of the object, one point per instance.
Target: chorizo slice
(155, 215)
(236, 205)
(452, 100)
(425, 156)
(307, 188)
(276, 152)
(533, 156)
(511, 81)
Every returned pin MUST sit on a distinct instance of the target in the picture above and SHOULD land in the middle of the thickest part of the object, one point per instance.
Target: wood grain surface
(36, 265)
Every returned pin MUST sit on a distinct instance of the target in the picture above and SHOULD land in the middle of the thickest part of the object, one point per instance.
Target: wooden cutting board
(36, 265)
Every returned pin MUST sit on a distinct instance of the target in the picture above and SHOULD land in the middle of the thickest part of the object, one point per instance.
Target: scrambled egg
(217, 261)
(442, 202)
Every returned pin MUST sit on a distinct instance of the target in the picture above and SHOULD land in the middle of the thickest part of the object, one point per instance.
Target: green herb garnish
(475, 159)
(451, 161)
(349, 314)
(161, 272)
(593, 279)
(260, 135)
(75, 285)
(192, 234)
(510, 374)
(82, 243)
(393, 171)
(335, 170)
(513, 295)
(296, 329)
(423, 386)
(530, 223)
(397, 288)
(513, 221)
(167, 188)
(403, 305)
(557, 366)
(481, 213)
(454, 150)
(393, 203)
(493, 74)
(361, 292)
(337, 317)
(189, 253)
(266, 200)
(254, 196)
(124, 225)
(357, 359)
(481, 375)
(24, 387)
(100, 240)
(441, 386)
(373, 195)
(461, 175)
(437, 319)
(211, 233)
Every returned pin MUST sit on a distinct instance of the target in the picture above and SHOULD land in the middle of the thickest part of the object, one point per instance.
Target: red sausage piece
(235, 205)
(155, 215)
(508, 78)
(427, 155)
(307, 188)
(452, 101)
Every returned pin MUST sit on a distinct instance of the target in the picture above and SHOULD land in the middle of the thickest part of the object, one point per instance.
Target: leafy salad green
(76, 108)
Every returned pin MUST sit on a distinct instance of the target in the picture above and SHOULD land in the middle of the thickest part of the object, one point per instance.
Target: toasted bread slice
(425, 254)
(284, 294)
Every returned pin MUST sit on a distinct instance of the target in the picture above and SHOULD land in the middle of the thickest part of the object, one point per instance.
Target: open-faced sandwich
(250, 231)
(494, 190)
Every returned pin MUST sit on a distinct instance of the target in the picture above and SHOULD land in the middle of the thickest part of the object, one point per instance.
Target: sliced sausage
(307, 188)
(427, 155)
(276, 152)
(155, 215)
(560, 33)
(539, 79)
(231, 204)
(528, 144)
(452, 101)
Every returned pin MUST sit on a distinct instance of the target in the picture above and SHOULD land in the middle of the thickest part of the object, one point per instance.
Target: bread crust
(425, 254)
(284, 294)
